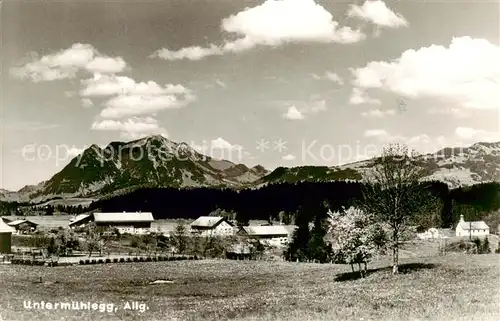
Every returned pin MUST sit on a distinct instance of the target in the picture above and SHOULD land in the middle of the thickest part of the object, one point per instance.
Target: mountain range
(156, 161)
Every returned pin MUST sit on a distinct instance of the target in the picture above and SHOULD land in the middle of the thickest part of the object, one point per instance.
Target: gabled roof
(255, 230)
(123, 217)
(79, 218)
(18, 222)
(4, 228)
(475, 225)
(208, 221)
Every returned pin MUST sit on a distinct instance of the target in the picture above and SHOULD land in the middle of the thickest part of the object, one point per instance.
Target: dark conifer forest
(477, 201)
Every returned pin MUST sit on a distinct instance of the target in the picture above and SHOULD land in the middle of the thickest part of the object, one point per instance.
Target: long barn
(125, 222)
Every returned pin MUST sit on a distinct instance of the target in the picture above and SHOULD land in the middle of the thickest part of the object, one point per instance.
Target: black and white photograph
(250, 160)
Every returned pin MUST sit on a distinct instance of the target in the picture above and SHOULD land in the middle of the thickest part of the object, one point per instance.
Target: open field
(451, 287)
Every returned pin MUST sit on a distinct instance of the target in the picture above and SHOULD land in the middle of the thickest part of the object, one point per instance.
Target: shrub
(148, 259)
(108, 260)
(141, 259)
(136, 259)
(115, 260)
(81, 262)
(93, 261)
(129, 259)
(485, 248)
(87, 261)
(121, 260)
(100, 261)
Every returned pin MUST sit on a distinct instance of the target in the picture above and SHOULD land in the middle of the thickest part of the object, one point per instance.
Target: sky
(276, 82)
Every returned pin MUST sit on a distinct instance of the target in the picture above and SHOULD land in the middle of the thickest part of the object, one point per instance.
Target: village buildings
(471, 229)
(211, 226)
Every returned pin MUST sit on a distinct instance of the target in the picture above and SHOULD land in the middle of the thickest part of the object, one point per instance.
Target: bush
(129, 259)
(87, 261)
(141, 259)
(115, 260)
(81, 262)
(108, 260)
(148, 259)
(93, 261)
(136, 259)
(485, 248)
(100, 261)
(121, 260)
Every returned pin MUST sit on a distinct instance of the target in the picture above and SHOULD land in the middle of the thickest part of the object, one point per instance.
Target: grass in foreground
(452, 287)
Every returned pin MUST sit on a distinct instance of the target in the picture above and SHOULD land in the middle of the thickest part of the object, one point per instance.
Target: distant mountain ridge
(155, 161)
(459, 166)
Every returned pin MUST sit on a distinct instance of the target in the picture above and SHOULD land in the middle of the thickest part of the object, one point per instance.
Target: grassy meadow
(450, 287)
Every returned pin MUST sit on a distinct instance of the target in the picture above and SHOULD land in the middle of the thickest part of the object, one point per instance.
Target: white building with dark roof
(23, 226)
(472, 228)
(124, 222)
(211, 226)
(274, 235)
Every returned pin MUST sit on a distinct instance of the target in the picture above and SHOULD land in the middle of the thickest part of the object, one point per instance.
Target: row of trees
(93, 239)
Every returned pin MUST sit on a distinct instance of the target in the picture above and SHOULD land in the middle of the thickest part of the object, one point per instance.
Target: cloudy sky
(302, 79)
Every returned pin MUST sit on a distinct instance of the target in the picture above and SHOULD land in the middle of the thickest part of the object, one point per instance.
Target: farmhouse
(126, 222)
(80, 220)
(274, 235)
(211, 226)
(5, 237)
(473, 228)
(23, 226)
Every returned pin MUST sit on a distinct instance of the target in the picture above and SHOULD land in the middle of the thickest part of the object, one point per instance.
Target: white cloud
(376, 133)
(135, 105)
(455, 112)
(133, 98)
(132, 128)
(190, 53)
(272, 23)
(289, 157)
(87, 103)
(378, 13)
(221, 143)
(334, 77)
(359, 97)
(476, 135)
(377, 113)
(293, 114)
(107, 85)
(465, 74)
(220, 83)
(421, 143)
(67, 63)
(316, 107)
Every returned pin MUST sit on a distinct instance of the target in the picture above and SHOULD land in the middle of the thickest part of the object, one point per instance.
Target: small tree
(180, 237)
(298, 249)
(485, 246)
(319, 250)
(394, 194)
(93, 241)
(53, 247)
(356, 237)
